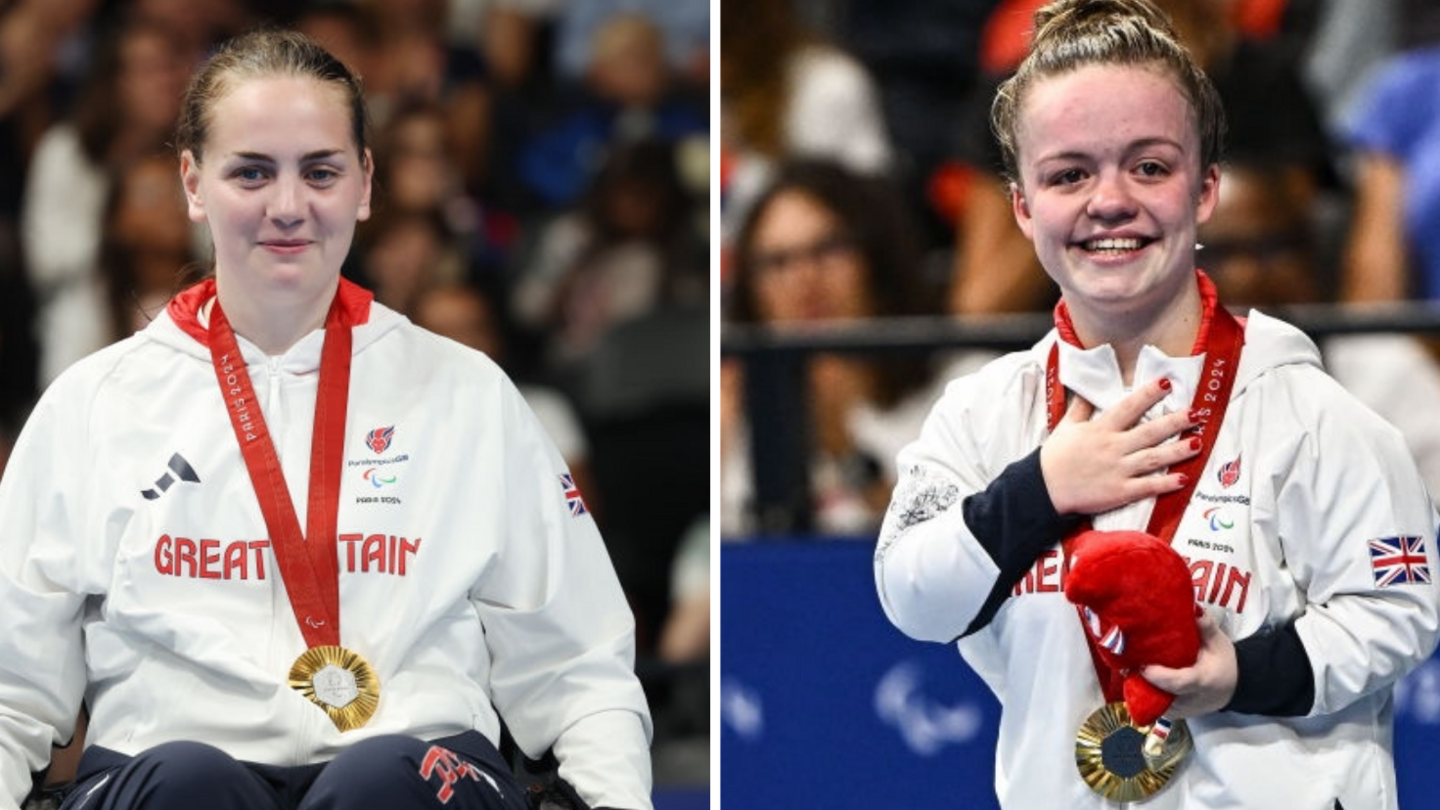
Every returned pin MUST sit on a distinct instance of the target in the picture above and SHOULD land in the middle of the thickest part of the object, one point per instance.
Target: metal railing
(774, 363)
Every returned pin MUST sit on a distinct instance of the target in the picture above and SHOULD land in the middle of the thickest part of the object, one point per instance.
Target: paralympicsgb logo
(1229, 472)
(378, 439)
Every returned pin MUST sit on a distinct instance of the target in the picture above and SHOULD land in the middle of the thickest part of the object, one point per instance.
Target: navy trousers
(394, 772)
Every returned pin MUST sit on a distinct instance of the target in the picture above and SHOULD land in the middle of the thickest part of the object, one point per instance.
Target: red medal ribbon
(309, 567)
(1220, 338)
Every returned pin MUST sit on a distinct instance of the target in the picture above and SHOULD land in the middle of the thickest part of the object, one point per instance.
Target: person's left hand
(1206, 686)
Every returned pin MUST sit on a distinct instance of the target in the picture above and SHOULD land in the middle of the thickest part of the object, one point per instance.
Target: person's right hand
(1095, 465)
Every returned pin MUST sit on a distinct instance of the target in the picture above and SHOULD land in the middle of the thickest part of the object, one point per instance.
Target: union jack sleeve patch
(1399, 561)
(573, 500)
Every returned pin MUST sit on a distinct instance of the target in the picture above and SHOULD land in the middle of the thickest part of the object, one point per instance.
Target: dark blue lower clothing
(464, 772)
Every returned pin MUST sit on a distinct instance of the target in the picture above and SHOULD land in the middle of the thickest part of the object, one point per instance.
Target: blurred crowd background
(859, 180)
(541, 193)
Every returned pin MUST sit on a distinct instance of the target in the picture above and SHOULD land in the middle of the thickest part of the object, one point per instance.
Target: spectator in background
(633, 246)
(784, 93)
(683, 24)
(924, 57)
(30, 35)
(344, 29)
(480, 80)
(405, 252)
(1395, 136)
(465, 313)
(1339, 54)
(612, 301)
(509, 35)
(1260, 251)
(1271, 117)
(422, 175)
(421, 172)
(684, 647)
(413, 61)
(822, 245)
(201, 24)
(35, 84)
(686, 635)
(125, 111)
(512, 39)
(628, 96)
(1258, 246)
(146, 251)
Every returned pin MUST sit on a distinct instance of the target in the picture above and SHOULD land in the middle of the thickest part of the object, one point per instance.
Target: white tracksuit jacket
(1282, 536)
(465, 576)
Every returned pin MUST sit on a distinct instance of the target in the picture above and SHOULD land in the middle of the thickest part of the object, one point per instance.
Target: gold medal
(1110, 753)
(338, 681)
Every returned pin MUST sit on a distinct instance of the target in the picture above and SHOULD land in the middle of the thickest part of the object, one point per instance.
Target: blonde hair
(622, 32)
(1071, 34)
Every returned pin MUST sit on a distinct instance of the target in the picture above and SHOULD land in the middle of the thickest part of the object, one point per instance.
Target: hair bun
(1072, 16)
(1071, 34)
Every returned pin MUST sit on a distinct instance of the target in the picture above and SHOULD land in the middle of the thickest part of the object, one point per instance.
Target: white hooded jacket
(136, 572)
(1277, 534)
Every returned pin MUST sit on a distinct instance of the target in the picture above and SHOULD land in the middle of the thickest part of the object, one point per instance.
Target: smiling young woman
(1149, 407)
(1111, 191)
(277, 164)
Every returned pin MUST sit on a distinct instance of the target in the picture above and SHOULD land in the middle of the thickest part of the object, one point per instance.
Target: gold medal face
(1109, 753)
(338, 681)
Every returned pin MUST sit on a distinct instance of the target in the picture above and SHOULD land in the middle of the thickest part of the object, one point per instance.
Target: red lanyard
(309, 567)
(1221, 338)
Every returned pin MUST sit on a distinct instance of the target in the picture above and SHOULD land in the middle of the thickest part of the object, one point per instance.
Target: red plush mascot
(1136, 597)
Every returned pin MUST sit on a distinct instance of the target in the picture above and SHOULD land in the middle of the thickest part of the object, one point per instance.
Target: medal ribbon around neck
(1220, 338)
(1108, 749)
(308, 563)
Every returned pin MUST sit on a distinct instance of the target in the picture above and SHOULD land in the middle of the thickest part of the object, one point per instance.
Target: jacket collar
(1095, 373)
(185, 308)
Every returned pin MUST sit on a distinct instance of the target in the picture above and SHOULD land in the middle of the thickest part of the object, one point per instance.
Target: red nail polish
(1195, 443)
(1184, 479)
(1165, 383)
(1194, 414)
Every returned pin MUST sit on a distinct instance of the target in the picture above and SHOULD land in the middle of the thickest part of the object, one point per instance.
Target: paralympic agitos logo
(1218, 519)
(379, 479)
